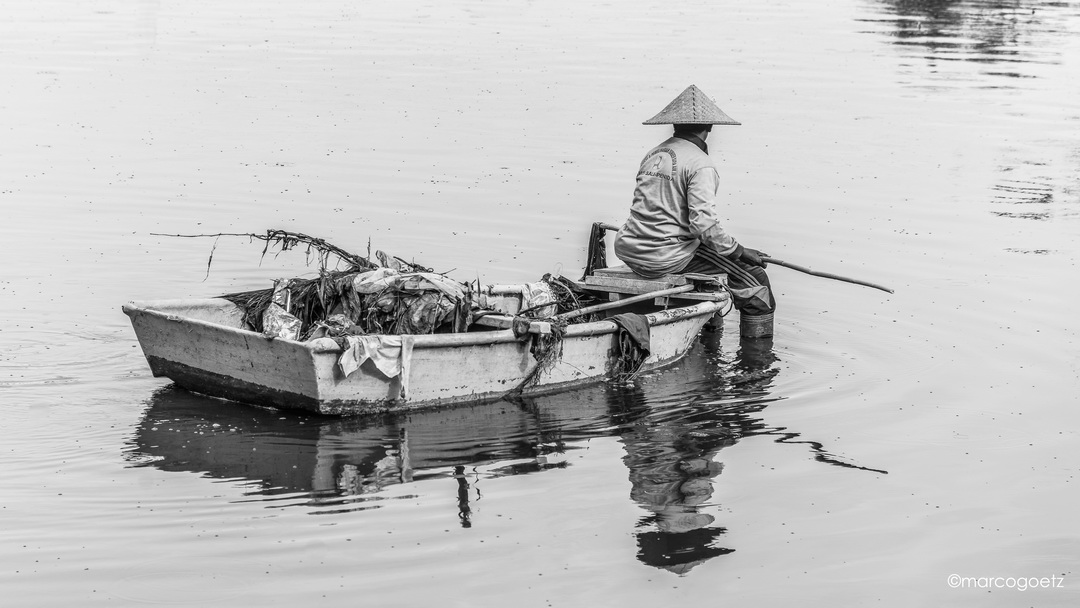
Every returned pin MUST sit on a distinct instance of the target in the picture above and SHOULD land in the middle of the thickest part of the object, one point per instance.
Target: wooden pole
(826, 275)
(623, 302)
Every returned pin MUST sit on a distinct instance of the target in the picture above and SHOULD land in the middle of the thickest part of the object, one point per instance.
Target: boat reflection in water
(672, 424)
(337, 464)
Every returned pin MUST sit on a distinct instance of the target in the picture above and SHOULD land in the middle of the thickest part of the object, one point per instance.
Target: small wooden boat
(202, 345)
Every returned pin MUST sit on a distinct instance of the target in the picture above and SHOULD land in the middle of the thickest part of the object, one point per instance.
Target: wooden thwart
(620, 280)
(623, 278)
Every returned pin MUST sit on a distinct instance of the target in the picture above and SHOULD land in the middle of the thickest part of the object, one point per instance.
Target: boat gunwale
(328, 345)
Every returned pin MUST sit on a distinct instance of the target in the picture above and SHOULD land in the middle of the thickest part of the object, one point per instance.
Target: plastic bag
(277, 322)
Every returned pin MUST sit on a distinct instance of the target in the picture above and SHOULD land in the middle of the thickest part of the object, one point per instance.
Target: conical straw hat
(691, 107)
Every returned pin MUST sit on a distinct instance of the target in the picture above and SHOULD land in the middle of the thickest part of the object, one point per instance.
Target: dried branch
(289, 240)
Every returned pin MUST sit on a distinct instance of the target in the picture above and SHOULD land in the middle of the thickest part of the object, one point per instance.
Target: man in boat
(674, 227)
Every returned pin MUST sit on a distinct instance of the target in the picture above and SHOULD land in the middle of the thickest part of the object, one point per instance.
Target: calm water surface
(877, 446)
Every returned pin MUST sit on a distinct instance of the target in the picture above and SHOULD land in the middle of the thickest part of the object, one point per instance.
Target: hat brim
(692, 107)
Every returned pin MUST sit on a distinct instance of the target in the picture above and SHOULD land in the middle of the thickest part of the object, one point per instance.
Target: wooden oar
(623, 302)
(827, 275)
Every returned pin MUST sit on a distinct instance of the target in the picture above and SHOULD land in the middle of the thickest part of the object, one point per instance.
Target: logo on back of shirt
(661, 163)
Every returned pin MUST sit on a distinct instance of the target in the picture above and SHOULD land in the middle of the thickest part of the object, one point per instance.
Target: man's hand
(753, 256)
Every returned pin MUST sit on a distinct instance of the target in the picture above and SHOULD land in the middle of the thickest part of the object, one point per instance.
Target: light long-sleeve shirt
(673, 212)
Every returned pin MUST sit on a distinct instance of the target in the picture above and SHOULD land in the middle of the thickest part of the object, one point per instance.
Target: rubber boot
(755, 326)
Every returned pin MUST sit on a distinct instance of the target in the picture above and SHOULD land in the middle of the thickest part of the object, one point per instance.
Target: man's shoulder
(681, 148)
(691, 158)
(675, 159)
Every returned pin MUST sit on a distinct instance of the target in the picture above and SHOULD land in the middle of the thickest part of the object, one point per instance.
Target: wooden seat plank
(623, 280)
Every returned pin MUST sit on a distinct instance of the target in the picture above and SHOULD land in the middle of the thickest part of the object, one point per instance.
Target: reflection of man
(672, 454)
(671, 472)
(673, 225)
(672, 465)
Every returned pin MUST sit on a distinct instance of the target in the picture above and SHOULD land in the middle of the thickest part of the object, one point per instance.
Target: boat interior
(623, 290)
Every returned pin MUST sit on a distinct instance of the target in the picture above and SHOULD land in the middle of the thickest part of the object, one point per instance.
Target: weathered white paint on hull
(198, 344)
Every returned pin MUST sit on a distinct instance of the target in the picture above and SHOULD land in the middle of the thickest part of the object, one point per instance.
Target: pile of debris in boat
(390, 297)
(392, 301)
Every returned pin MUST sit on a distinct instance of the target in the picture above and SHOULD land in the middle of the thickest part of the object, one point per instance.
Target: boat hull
(200, 346)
